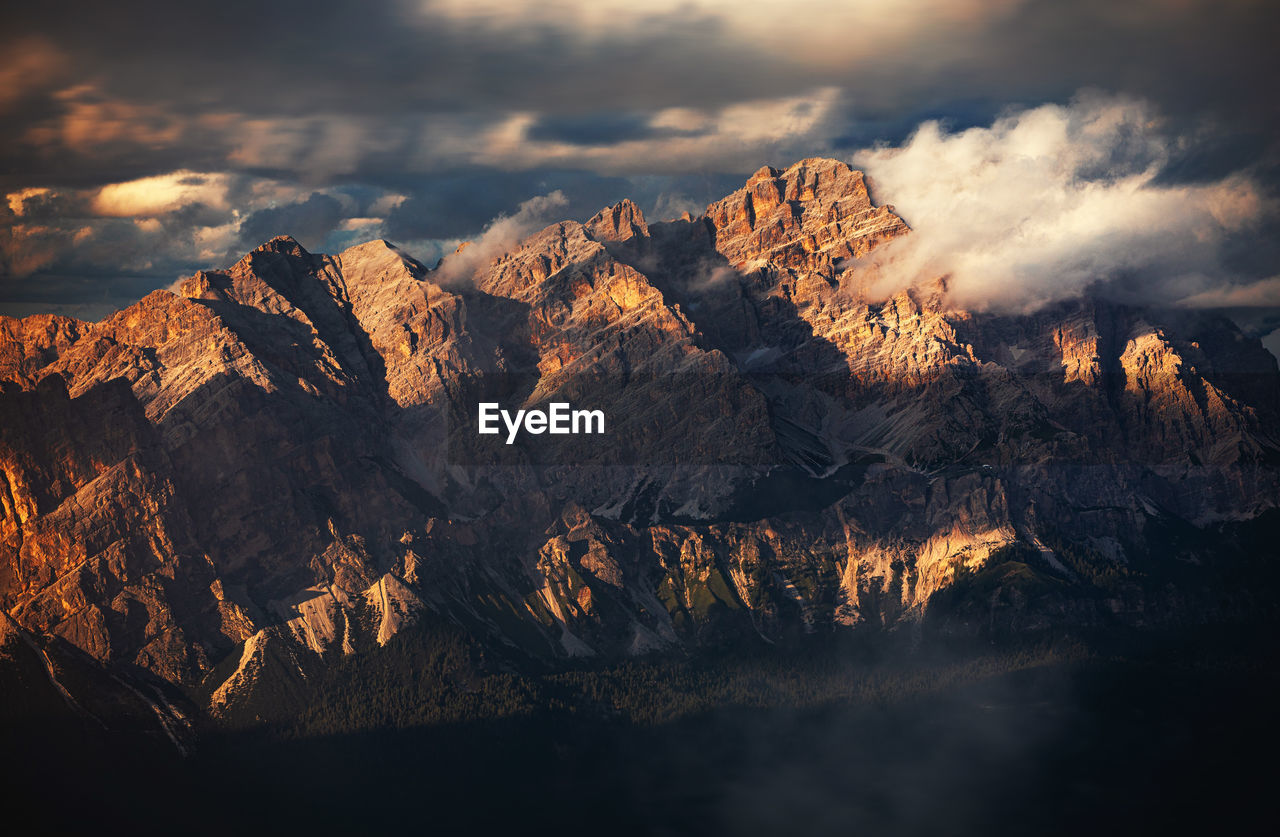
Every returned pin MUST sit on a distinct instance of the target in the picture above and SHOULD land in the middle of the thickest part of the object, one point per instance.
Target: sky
(1037, 147)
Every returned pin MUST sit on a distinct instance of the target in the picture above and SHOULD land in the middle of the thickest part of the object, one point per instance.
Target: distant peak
(619, 222)
(799, 169)
(814, 214)
(807, 179)
(818, 164)
(762, 173)
(381, 251)
(284, 244)
(377, 245)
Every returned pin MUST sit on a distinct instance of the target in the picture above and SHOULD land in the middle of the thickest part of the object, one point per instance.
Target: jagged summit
(279, 463)
(762, 173)
(283, 244)
(814, 213)
(619, 222)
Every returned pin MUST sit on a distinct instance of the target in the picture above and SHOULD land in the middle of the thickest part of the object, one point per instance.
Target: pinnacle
(286, 244)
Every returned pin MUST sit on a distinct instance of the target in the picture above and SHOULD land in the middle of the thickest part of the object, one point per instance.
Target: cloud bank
(1050, 201)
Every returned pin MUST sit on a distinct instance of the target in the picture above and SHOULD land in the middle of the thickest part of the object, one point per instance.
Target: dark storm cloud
(189, 216)
(1194, 59)
(603, 128)
(295, 57)
(174, 93)
(385, 63)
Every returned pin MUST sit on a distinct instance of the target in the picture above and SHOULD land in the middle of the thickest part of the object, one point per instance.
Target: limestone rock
(279, 464)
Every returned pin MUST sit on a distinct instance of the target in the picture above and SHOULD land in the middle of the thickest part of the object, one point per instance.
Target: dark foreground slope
(1135, 734)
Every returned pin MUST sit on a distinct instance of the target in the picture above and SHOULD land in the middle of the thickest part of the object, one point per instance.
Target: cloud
(463, 109)
(611, 87)
(674, 140)
(500, 236)
(93, 249)
(1049, 201)
(602, 128)
(460, 203)
(27, 66)
(33, 202)
(1264, 293)
(757, 22)
(350, 93)
(713, 276)
(25, 248)
(671, 205)
(150, 196)
(91, 120)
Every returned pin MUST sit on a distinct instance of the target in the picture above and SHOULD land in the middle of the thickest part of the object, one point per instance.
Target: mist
(500, 236)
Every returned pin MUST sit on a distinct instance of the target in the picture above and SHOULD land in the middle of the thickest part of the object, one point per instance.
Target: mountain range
(211, 496)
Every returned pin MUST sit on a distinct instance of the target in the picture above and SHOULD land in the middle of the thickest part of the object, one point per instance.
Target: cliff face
(279, 463)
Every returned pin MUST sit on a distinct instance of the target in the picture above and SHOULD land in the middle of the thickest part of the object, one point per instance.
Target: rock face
(814, 214)
(279, 464)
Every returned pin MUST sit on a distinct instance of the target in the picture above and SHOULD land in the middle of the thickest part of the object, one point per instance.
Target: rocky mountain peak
(809, 216)
(32, 343)
(283, 244)
(762, 173)
(619, 222)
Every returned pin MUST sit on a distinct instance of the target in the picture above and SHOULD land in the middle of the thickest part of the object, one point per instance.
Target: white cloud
(671, 205)
(500, 236)
(212, 244)
(1047, 201)
(383, 205)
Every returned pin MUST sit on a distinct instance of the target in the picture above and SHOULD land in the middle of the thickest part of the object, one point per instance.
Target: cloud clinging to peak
(1047, 202)
(502, 234)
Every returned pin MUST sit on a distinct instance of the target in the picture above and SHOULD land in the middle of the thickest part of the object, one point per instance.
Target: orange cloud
(150, 196)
